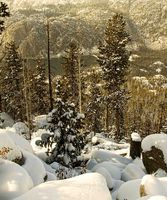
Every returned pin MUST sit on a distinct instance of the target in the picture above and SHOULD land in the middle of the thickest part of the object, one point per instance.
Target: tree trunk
(135, 149)
(107, 118)
(117, 124)
(49, 67)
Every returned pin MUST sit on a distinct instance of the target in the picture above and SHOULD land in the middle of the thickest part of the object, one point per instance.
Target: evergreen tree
(94, 105)
(61, 89)
(72, 72)
(4, 12)
(39, 89)
(65, 123)
(12, 83)
(94, 110)
(113, 59)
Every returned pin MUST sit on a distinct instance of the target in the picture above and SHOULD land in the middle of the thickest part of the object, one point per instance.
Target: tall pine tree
(39, 87)
(12, 83)
(113, 59)
(72, 64)
(4, 12)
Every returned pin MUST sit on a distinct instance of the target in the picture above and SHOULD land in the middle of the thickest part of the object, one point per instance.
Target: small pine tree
(113, 59)
(66, 123)
(12, 83)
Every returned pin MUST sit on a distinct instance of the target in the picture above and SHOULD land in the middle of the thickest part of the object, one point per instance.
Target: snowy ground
(109, 174)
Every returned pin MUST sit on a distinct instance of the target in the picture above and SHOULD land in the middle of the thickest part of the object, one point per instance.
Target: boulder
(153, 160)
(154, 152)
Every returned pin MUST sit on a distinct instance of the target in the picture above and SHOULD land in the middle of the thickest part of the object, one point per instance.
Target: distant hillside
(85, 20)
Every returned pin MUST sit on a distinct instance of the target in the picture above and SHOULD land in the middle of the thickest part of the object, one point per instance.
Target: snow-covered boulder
(105, 155)
(5, 120)
(50, 176)
(151, 185)
(132, 172)
(38, 149)
(139, 163)
(35, 168)
(156, 197)
(116, 185)
(113, 170)
(154, 152)
(91, 163)
(40, 121)
(14, 180)
(21, 129)
(19, 140)
(129, 190)
(106, 175)
(8, 149)
(88, 186)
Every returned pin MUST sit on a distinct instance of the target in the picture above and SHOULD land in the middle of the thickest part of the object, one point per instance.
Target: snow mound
(39, 150)
(106, 175)
(91, 163)
(132, 172)
(15, 181)
(137, 161)
(19, 140)
(105, 155)
(157, 197)
(129, 190)
(5, 120)
(88, 186)
(8, 149)
(157, 140)
(150, 185)
(113, 170)
(50, 177)
(135, 137)
(21, 129)
(40, 121)
(35, 168)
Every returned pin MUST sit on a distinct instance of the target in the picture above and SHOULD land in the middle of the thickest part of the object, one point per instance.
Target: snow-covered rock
(88, 186)
(5, 120)
(151, 185)
(35, 168)
(19, 140)
(21, 129)
(139, 163)
(40, 121)
(154, 152)
(105, 155)
(14, 180)
(156, 197)
(113, 170)
(55, 165)
(91, 163)
(40, 151)
(106, 175)
(50, 176)
(132, 172)
(129, 190)
(155, 140)
(135, 137)
(8, 149)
